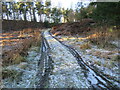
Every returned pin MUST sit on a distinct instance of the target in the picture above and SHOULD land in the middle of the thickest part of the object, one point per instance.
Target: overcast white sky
(62, 3)
(66, 3)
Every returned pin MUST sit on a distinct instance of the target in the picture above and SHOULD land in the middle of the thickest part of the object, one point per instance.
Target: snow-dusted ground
(67, 73)
(28, 71)
(102, 60)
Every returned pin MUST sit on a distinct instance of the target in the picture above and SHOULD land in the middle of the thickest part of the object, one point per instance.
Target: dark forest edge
(104, 13)
(17, 25)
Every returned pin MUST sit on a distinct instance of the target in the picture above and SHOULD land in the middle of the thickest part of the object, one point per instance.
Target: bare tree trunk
(25, 14)
(30, 14)
(14, 15)
(20, 15)
(2, 15)
(7, 16)
(64, 19)
(34, 15)
(40, 18)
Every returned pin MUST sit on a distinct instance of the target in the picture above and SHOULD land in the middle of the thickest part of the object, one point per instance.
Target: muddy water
(67, 73)
(28, 71)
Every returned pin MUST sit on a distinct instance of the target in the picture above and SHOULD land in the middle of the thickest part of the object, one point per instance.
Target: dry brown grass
(85, 46)
(9, 73)
(14, 50)
(103, 36)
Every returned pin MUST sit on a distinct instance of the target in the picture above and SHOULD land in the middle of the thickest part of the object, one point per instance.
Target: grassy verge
(15, 50)
(103, 36)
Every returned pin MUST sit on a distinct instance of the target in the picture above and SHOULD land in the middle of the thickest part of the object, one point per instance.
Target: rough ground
(72, 28)
(24, 74)
(98, 46)
(20, 57)
(102, 60)
(14, 44)
(66, 73)
(16, 25)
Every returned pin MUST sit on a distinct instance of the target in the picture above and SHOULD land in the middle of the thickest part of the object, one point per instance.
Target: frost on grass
(66, 73)
(23, 75)
(105, 61)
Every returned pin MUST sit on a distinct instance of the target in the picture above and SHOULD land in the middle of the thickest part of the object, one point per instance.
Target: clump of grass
(9, 73)
(106, 64)
(17, 58)
(116, 58)
(112, 64)
(17, 52)
(102, 37)
(107, 45)
(85, 46)
(76, 40)
(33, 48)
(98, 63)
(23, 65)
(97, 53)
(11, 59)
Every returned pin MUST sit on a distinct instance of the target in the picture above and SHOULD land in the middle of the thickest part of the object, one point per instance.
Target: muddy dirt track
(69, 70)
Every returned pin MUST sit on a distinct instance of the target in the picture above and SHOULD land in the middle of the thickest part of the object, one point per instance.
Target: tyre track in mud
(65, 68)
